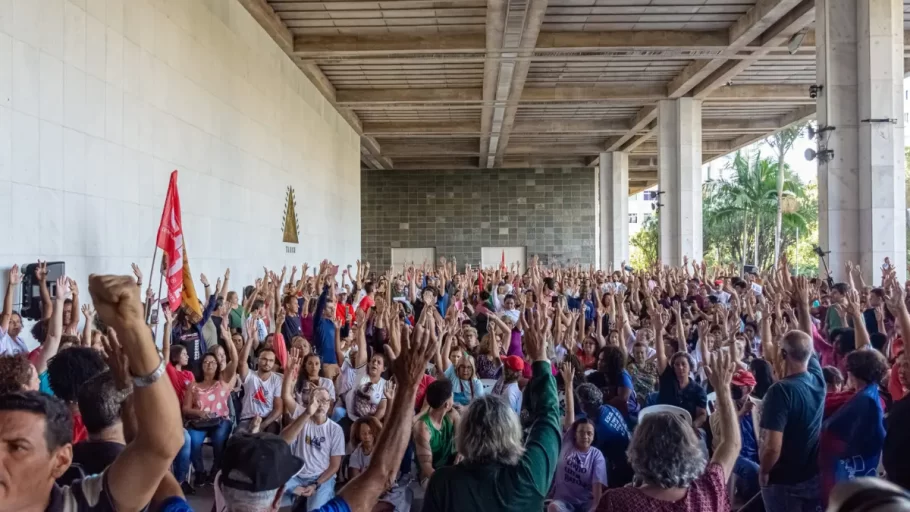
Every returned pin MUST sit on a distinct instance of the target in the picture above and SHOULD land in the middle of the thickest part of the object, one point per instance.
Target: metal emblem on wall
(290, 220)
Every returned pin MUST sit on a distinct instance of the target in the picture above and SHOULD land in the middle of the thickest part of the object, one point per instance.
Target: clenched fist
(116, 300)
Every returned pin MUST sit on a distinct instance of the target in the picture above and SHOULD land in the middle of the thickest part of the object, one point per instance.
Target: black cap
(264, 460)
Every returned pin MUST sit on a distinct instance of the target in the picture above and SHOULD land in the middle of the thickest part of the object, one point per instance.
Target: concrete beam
(431, 128)
(794, 21)
(752, 93)
(533, 20)
(263, 13)
(495, 26)
(354, 97)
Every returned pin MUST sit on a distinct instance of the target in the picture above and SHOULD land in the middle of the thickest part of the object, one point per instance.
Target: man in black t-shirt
(790, 426)
(101, 404)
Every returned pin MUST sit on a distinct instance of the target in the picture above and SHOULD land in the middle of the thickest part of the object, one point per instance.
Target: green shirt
(442, 441)
(235, 320)
(497, 487)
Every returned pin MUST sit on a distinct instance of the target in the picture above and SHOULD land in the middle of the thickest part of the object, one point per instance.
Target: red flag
(170, 240)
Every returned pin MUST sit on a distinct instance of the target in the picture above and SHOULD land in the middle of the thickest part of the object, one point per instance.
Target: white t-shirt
(316, 444)
(512, 393)
(10, 346)
(363, 392)
(258, 396)
(358, 459)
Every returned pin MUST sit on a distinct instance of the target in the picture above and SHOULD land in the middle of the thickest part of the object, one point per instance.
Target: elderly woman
(498, 472)
(670, 472)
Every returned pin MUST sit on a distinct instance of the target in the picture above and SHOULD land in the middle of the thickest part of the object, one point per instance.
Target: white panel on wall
(491, 257)
(415, 255)
(101, 100)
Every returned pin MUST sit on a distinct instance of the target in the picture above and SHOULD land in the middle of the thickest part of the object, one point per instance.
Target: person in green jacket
(497, 473)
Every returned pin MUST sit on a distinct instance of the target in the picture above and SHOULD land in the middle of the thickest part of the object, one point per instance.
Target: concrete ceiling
(526, 83)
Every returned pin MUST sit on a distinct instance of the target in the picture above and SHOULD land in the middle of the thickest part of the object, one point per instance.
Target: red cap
(513, 363)
(743, 378)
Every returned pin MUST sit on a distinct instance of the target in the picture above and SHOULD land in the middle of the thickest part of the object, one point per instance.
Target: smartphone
(154, 320)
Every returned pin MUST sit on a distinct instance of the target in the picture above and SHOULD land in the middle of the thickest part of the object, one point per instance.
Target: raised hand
(116, 299)
(853, 303)
(41, 270)
(295, 359)
(205, 280)
(567, 370)
(168, 315)
(117, 360)
(416, 350)
(391, 387)
(720, 369)
(802, 290)
(137, 272)
(15, 277)
(63, 288)
(88, 311)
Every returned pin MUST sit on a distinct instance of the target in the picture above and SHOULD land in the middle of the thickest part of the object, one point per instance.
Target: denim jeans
(182, 461)
(219, 434)
(746, 472)
(801, 497)
(324, 492)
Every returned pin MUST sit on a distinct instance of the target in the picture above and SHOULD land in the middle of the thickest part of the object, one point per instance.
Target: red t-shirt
(422, 391)
(366, 303)
(79, 431)
(180, 380)
(706, 494)
(340, 311)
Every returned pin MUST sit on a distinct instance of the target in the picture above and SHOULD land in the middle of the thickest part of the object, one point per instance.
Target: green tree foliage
(644, 244)
(740, 210)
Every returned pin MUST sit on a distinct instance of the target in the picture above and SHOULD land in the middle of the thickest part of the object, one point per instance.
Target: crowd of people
(558, 389)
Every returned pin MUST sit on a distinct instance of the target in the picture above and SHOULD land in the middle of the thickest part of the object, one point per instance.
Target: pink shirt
(213, 399)
(708, 493)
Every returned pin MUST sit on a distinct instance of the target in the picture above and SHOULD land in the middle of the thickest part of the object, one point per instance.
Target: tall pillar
(861, 199)
(679, 179)
(614, 209)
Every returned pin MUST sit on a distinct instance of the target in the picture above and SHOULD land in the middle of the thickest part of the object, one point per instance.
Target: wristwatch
(148, 380)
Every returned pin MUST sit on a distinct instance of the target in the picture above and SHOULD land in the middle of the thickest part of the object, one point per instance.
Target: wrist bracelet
(148, 380)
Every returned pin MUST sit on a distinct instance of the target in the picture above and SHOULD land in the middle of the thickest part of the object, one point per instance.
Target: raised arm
(292, 373)
(168, 329)
(46, 305)
(855, 312)
(74, 312)
(252, 336)
(658, 326)
(15, 277)
(135, 474)
(720, 374)
(568, 379)
(230, 370)
(55, 327)
(363, 491)
(89, 312)
(802, 299)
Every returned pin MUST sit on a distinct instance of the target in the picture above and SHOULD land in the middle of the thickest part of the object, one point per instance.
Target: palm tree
(783, 141)
(749, 196)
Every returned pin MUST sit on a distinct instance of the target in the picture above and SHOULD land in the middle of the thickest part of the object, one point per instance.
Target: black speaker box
(31, 295)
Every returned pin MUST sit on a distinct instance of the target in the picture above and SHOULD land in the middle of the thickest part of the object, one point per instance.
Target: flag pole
(160, 282)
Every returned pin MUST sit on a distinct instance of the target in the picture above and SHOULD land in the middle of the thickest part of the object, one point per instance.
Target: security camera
(814, 90)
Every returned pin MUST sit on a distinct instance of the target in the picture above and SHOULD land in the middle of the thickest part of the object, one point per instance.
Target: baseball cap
(743, 378)
(513, 363)
(264, 462)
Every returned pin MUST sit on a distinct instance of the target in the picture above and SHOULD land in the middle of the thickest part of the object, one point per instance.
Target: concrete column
(679, 179)
(861, 199)
(614, 209)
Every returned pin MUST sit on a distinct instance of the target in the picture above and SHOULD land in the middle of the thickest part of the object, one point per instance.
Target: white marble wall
(862, 203)
(101, 99)
(613, 196)
(679, 179)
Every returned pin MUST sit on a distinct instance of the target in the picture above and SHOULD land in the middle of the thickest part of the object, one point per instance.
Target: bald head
(798, 346)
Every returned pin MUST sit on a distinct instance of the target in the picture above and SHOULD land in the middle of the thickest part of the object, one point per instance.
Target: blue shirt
(324, 331)
(611, 434)
(747, 431)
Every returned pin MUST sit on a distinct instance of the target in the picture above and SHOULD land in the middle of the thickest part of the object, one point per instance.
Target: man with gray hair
(497, 473)
(791, 421)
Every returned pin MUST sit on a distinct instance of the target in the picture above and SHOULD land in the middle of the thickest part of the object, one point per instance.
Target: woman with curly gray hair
(670, 472)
